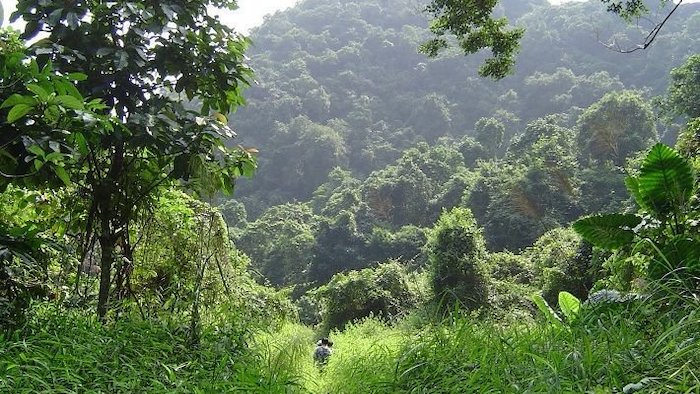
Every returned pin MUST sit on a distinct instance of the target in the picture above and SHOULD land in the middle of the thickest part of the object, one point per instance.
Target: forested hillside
(187, 210)
(353, 70)
(369, 140)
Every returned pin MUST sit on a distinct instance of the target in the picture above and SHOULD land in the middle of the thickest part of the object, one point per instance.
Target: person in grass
(324, 349)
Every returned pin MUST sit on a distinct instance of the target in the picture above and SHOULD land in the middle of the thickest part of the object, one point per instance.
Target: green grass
(654, 342)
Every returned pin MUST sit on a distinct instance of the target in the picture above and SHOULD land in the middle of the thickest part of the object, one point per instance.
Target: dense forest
(185, 209)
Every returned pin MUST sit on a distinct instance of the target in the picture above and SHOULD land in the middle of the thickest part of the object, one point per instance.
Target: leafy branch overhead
(475, 27)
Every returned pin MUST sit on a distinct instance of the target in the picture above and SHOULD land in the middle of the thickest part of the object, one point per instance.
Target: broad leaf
(17, 112)
(18, 99)
(632, 184)
(69, 102)
(62, 174)
(608, 231)
(665, 181)
(569, 305)
(39, 91)
(542, 305)
(680, 256)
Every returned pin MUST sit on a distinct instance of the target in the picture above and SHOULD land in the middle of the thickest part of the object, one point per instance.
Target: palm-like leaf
(665, 182)
(608, 231)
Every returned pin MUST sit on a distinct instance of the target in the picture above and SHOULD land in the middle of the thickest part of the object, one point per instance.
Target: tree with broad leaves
(159, 77)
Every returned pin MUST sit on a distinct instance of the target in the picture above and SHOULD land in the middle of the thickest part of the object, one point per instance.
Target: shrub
(456, 252)
(562, 262)
(511, 267)
(385, 291)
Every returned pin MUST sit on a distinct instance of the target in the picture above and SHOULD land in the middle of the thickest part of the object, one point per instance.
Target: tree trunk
(107, 246)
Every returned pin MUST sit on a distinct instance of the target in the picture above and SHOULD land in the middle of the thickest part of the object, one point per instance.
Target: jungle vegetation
(187, 209)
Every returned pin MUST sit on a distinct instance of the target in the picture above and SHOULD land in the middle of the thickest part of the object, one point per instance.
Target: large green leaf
(632, 184)
(569, 305)
(608, 231)
(665, 181)
(548, 313)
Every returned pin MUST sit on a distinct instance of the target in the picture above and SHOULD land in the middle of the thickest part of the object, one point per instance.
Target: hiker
(323, 351)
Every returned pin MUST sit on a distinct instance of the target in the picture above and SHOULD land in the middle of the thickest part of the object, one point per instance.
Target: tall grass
(70, 352)
(651, 346)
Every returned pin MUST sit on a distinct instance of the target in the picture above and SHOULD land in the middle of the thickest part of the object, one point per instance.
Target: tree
(489, 133)
(456, 253)
(385, 290)
(475, 26)
(617, 126)
(280, 243)
(683, 96)
(161, 78)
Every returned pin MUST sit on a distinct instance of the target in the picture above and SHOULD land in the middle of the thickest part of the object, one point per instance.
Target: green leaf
(632, 184)
(80, 140)
(608, 231)
(680, 256)
(54, 157)
(69, 102)
(62, 174)
(569, 305)
(39, 91)
(666, 181)
(77, 76)
(549, 314)
(36, 149)
(18, 99)
(18, 111)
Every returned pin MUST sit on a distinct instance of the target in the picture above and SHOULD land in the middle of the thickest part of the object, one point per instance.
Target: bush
(562, 262)
(456, 252)
(385, 291)
(511, 267)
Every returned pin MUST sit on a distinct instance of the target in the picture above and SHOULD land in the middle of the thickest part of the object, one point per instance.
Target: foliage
(616, 127)
(562, 262)
(135, 132)
(682, 97)
(386, 291)
(489, 133)
(475, 29)
(516, 268)
(35, 227)
(663, 190)
(456, 251)
(385, 98)
(132, 356)
(281, 242)
(184, 254)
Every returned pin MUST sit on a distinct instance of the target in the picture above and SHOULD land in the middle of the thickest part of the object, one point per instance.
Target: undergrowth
(648, 345)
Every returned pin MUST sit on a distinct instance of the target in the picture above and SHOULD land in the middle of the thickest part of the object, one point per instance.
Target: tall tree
(161, 76)
(617, 126)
